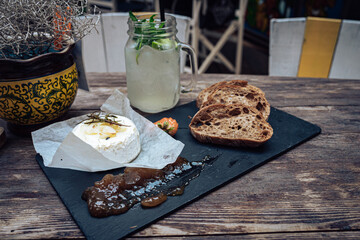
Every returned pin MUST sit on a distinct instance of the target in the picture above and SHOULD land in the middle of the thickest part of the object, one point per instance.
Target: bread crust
(234, 125)
(203, 95)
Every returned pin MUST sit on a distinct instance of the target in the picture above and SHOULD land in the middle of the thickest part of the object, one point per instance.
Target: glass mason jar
(152, 59)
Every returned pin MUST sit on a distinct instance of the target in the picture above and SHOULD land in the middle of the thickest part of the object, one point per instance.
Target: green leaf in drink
(133, 17)
(153, 32)
(151, 19)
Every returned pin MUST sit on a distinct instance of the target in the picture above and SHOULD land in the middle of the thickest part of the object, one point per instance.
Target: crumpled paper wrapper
(60, 148)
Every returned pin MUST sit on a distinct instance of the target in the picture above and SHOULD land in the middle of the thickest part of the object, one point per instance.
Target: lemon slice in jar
(163, 44)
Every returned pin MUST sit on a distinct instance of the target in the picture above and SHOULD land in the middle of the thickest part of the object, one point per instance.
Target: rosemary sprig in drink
(150, 32)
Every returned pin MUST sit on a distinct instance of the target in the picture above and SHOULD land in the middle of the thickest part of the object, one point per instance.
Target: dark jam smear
(116, 194)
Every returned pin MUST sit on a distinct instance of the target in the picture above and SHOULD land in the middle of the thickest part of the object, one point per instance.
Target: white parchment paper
(60, 148)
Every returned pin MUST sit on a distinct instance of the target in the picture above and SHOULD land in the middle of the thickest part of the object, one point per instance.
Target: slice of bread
(232, 125)
(204, 94)
(230, 94)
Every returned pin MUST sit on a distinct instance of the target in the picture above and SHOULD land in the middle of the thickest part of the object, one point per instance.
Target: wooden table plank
(272, 236)
(310, 192)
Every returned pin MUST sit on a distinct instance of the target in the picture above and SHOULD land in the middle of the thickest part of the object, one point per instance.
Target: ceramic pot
(37, 90)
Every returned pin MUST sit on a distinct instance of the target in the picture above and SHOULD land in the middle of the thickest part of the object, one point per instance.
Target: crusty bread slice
(233, 125)
(205, 93)
(229, 94)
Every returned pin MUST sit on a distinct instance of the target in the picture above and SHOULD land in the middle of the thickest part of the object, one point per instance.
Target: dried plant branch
(33, 27)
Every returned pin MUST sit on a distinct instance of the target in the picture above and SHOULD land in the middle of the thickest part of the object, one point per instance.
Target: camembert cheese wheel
(118, 142)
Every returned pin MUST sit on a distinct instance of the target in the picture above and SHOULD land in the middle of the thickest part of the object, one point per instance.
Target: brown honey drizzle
(116, 194)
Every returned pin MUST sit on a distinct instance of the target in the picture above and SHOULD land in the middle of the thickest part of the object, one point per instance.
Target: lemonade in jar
(152, 59)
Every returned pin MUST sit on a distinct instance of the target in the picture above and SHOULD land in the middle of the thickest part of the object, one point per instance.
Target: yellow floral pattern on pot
(38, 100)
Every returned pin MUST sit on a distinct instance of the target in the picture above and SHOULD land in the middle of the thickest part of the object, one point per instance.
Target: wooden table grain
(312, 191)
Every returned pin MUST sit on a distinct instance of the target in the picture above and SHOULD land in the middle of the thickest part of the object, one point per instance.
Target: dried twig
(32, 27)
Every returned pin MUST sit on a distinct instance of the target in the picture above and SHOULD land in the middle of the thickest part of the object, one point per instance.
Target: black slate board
(289, 131)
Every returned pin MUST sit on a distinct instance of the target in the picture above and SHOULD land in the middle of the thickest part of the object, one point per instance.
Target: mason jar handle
(194, 67)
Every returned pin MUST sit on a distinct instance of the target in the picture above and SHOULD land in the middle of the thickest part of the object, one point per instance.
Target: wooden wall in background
(314, 47)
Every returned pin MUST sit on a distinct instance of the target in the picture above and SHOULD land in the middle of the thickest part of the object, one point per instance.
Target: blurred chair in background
(104, 5)
(103, 48)
(122, 5)
(315, 47)
(235, 25)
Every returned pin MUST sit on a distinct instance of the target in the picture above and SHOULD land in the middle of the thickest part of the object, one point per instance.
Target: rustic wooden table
(312, 191)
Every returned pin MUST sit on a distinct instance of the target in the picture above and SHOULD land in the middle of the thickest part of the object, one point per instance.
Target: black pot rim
(41, 65)
(45, 55)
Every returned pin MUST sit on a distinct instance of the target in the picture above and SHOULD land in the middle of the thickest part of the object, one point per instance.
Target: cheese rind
(117, 143)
